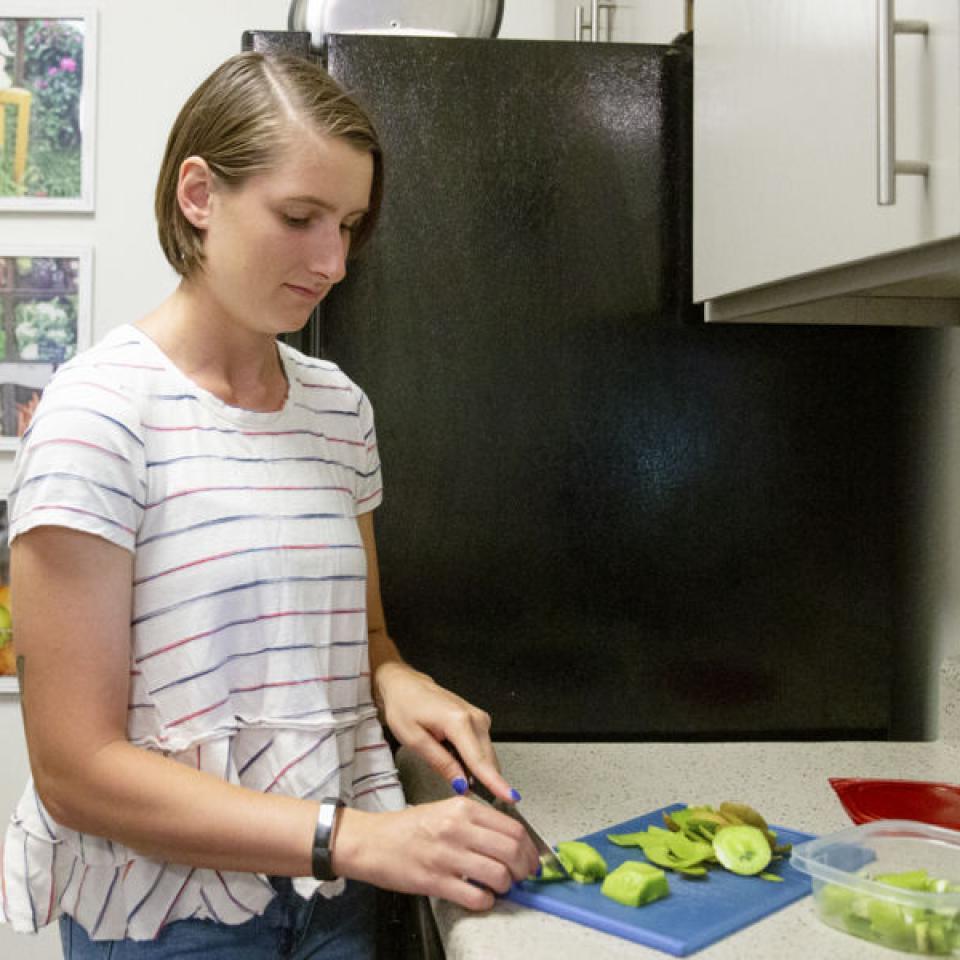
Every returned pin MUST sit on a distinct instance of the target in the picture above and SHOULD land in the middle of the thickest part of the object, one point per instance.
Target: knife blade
(548, 856)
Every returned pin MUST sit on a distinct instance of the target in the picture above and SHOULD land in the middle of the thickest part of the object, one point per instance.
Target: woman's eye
(298, 222)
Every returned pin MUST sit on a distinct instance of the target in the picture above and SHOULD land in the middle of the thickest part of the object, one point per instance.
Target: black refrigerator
(604, 518)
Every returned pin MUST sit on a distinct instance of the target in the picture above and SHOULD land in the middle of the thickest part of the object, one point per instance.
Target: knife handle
(476, 786)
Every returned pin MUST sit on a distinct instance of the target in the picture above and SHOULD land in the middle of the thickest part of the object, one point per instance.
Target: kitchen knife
(548, 857)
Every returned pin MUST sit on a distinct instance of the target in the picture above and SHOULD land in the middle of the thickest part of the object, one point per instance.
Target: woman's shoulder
(121, 363)
(319, 373)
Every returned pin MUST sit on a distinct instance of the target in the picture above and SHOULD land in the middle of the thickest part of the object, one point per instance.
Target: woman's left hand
(422, 714)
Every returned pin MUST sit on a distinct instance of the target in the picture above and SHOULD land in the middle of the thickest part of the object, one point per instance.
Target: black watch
(326, 824)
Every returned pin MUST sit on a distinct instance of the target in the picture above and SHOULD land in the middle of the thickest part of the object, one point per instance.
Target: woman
(202, 649)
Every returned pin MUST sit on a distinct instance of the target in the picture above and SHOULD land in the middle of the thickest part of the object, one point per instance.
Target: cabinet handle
(887, 165)
(594, 25)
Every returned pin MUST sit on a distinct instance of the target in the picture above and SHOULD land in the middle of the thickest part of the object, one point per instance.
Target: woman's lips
(307, 293)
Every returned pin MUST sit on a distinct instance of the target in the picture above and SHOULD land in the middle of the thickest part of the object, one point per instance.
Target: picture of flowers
(47, 71)
(44, 319)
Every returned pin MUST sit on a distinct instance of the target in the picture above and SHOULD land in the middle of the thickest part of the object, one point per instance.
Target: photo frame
(8, 670)
(45, 318)
(48, 70)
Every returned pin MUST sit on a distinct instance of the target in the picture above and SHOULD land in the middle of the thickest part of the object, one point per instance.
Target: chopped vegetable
(549, 874)
(893, 924)
(689, 846)
(633, 884)
(676, 851)
(742, 850)
(691, 843)
(583, 863)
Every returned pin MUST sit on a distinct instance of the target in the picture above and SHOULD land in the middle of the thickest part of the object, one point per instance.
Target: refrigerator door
(603, 518)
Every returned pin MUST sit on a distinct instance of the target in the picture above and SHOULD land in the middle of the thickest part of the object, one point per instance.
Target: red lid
(867, 800)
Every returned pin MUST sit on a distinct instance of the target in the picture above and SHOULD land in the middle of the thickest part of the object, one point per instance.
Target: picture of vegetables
(8, 666)
(40, 308)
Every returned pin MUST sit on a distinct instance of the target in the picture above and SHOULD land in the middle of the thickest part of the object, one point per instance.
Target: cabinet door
(785, 137)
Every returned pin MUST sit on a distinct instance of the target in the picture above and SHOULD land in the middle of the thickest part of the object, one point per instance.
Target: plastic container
(843, 867)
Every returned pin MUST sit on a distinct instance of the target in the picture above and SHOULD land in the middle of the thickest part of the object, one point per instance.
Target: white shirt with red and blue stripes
(248, 655)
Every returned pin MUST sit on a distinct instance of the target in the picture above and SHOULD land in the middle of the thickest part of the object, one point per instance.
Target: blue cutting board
(698, 911)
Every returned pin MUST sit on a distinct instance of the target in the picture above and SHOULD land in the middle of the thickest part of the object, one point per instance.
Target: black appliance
(605, 519)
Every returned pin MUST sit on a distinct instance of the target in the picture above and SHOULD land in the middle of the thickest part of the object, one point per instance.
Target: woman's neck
(237, 365)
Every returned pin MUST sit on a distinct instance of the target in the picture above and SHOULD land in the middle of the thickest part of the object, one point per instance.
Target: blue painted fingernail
(539, 872)
(460, 786)
(514, 796)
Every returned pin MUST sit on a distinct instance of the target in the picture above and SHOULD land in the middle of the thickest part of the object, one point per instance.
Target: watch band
(326, 823)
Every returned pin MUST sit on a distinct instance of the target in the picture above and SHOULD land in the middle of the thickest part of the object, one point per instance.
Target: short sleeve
(369, 488)
(81, 463)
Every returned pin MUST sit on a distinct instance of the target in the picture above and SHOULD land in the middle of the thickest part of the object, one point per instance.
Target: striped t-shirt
(248, 655)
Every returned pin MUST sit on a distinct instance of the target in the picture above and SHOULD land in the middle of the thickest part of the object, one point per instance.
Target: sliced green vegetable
(675, 851)
(628, 839)
(893, 924)
(583, 862)
(681, 819)
(548, 874)
(907, 880)
(634, 884)
(688, 848)
(742, 849)
(663, 856)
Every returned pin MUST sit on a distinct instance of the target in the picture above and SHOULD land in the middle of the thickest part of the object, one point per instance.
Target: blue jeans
(343, 928)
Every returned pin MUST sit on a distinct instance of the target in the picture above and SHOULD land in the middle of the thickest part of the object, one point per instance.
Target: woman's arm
(420, 713)
(73, 610)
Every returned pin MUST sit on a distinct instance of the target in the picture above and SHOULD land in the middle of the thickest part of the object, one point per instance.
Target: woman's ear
(194, 191)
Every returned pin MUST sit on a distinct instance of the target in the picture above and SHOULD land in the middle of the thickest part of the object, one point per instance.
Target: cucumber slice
(583, 863)
(549, 874)
(633, 884)
(911, 929)
(743, 849)
(907, 880)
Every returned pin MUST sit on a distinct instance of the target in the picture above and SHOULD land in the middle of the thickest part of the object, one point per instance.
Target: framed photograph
(44, 319)
(47, 104)
(8, 665)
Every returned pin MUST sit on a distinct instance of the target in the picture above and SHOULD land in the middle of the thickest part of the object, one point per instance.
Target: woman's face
(274, 246)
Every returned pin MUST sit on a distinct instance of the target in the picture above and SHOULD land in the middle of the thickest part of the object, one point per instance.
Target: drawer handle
(888, 28)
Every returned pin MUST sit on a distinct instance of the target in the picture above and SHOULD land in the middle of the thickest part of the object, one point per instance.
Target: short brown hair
(239, 120)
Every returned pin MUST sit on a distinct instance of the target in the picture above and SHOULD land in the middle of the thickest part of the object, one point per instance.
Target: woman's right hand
(457, 849)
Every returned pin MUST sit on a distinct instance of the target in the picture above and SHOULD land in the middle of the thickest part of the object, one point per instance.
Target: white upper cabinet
(789, 129)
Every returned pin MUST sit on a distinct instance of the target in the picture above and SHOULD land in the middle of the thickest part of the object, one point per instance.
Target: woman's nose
(328, 254)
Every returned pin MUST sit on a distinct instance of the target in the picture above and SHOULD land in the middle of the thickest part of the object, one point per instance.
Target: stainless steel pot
(460, 18)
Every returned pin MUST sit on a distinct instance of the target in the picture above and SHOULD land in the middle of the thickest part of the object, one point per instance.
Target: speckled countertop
(573, 789)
